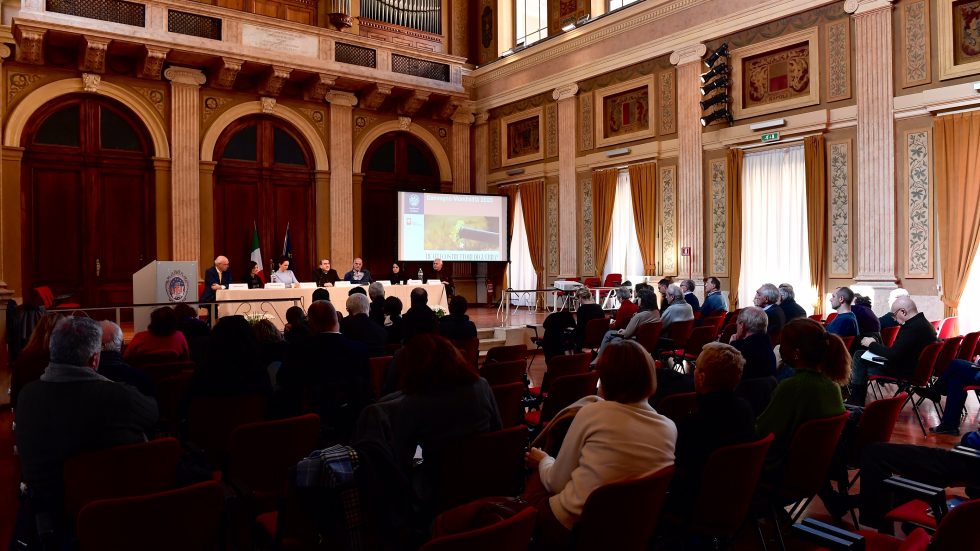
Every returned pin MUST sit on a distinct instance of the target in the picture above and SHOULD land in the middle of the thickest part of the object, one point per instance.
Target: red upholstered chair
(187, 518)
(936, 324)
(481, 465)
(592, 282)
(732, 316)
(158, 371)
(506, 353)
(969, 346)
(727, 332)
(715, 320)
(648, 335)
(45, 296)
(210, 422)
(170, 395)
(120, 471)
(613, 280)
(622, 515)
(511, 534)
(830, 318)
(470, 349)
(889, 334)
(503, 373)
(700, 336)
(378, 367)
(509, 403)
(678, 334)
(678, 406)
(559, 366)
(817, 317)
(949, 327)
(919, 379)
(848, 341)
(158, 359)
(594, 331)
(948, 353)
(564, 391)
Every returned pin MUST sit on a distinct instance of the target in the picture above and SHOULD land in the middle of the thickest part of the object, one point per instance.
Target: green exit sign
(770, 137)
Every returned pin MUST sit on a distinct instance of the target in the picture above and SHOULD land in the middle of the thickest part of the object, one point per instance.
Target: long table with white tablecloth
(260, 300)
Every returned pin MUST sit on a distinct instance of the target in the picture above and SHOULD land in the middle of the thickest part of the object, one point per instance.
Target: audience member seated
(627, 308)
(457, 324)
(196, 331)
(648, 314)
(888, 319)
(232, 364)
(357, 326)
(419, 318)
(959, 374)
(376, 292)
(71, 410)
(160, 340)
(662, 288)
(587, 311)
(323, 294)
(813, 392)
(394, 324)
(722, 419)
(751, 340)
(592, 453)
(253, 279)
(296, 328)
(555, 326)
(868, 324)
(713, 299)
(112, 366)
(846, 323)
(687, 287)
(677, 309)
(32, 360)
(330, 368)
(766, 297)
(901, 358)
(271, 347)
(787, 302)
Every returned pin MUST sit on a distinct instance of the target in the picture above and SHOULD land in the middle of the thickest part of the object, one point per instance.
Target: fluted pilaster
(462, 121)
(690, 174)
(341, 176)
(185, 175)
(481, 165)
(568, 215)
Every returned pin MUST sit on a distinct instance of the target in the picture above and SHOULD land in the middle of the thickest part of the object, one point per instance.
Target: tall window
(624, 248)
(531, 18)
(774, 224)
(522, 274)
(616, 4)
(969, 310)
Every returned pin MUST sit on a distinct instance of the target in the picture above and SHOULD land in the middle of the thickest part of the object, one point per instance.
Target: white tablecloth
(258, 300)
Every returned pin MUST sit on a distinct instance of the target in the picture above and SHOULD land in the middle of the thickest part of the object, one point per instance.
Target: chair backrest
(497, 459)
(888, 335)
(678, 406)
(592, 282)
(700, 336)
(512, 533)
(817, 317)
(715, 320)
(506, 353)
(810, 453)
(565, 364)
(210, 422)
(613, 280)
(727, 332)
(504, 373)
(926, 364)
(957, 528)
(469, 348)
(951, 347)
(120, 471)
(566, 390)
(378, 367)
(170, 395)
(594, 331)
(679, 332)
(648, 334)
(509, 403)
(45, 295)
(848, 341)
(935, 324)
(187, 518)
(260, 454)
(830, 317)
(876, 425)
(968, 346)
(158, 371)
(154, 358)
(949, 328)
(732, 316)
(728, 483)
(624, 514)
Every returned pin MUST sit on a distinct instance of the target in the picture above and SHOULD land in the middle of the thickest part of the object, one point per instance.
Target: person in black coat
(376, 292)
(357, 326)
(751, 340)
(112, 366)
(395, 324)
(397, 277)
(324, 275)
(419, 318)
(767, 298)
(457, 324)
(787, 301)
(441, 273)
(687, 287)
(216, 277)
(587, 311)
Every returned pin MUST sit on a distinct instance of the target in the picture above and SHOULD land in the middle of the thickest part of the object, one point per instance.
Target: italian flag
(256, 255)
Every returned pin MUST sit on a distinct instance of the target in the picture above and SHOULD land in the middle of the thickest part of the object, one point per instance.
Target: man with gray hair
(767, 298)
(376, 292)
(787, 302)
(678, 309)
(751, 340)
(687, 287)
(357, 326)
(71, 410)
(215, 278)
(112, 366)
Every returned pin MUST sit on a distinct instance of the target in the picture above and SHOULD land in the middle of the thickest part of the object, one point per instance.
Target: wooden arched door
(396, 161)
(264, 179)
(87, 187)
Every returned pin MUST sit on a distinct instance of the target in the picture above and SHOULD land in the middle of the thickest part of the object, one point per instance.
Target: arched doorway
(264, 180)
(87, 186)
(396, 161)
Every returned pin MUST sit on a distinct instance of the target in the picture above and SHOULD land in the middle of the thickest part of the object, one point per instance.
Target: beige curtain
(532, 206)
(815, 155)
(511, 193)
(957, 143)
(603, 199)
(734, 158)
(643, 188)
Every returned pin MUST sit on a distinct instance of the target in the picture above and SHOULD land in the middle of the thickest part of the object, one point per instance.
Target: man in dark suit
(766, 298)
(216, 278)
(358, 326)
(751, 340)
(787, 301)
(324, 275)
(901, 358)
(687, 287)
(441, 272)
(331, 368)
(358, 275)
(419, 318)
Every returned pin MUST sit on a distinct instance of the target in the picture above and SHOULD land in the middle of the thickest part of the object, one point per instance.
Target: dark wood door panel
(55, 250)
(236, 211)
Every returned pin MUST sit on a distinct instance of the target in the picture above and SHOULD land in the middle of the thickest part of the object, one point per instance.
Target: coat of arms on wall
(779, 74)
(959, 38)
(625, 112)
(522, 137)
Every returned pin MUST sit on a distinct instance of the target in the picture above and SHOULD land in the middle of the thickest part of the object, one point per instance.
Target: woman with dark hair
(593, 453)
(397, 277)
(393, 320)
(822, 364)
(253, 279)
(161, 339)
(32, 360)
(232, 364)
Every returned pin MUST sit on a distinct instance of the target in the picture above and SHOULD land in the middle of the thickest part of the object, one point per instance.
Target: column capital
(463, 116)
(688, 54)
(857, 7)
(565, 92)
(345, 99)
(185, 75)
(481, 117)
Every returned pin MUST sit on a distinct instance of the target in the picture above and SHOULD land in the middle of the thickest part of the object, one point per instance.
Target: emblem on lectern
(176, 286)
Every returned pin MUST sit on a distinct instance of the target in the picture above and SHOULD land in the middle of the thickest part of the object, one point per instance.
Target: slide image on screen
(451, 226)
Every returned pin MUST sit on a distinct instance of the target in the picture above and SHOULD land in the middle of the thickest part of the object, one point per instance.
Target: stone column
(568, 214)
(875, 145)
(690, 171)
(462, 120)
(341, 177)
(185, 143)
(481, 168)
(13, 206)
